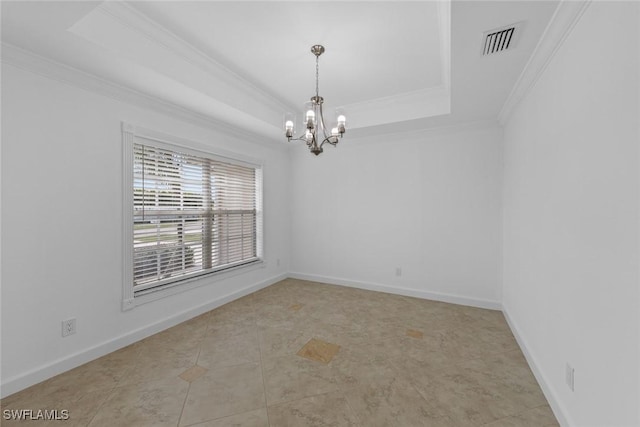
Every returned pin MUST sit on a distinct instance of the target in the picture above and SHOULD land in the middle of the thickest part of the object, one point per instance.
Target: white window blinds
(192, 215)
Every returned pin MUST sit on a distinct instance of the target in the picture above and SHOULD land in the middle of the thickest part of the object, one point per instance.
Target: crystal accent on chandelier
(315, 134)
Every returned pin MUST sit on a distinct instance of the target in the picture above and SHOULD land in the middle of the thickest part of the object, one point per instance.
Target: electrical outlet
(278, 262)
(68, 327)
(569, 376)
(398, 271)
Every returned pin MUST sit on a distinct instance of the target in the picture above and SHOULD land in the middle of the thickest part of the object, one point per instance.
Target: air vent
(499, 40)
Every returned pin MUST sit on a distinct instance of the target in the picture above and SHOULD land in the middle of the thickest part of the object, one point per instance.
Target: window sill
(191, 284)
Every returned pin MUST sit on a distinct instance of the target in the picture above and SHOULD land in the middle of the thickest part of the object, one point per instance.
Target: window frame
(136, 135)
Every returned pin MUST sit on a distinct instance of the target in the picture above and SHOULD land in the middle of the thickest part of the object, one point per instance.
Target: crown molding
(409, 134)
(46, 67)
(564, 19)
(130, 17)
(417, 104)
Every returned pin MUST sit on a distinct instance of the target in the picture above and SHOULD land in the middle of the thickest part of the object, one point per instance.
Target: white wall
(62, 227)
(428, 203)
(571, 220)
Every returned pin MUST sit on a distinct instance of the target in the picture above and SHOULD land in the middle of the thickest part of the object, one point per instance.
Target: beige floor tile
(318, 350)
(280, 342)
(278, 315)
(391, 348)
(401, 362)
(431, 316)
(397, 309)
(219, 328)
(256, 418)
(329, 409)
(393, 402)
(344, 335)
(157, 361)
(93, 378)
(193, 373)
(241, 310)
(176, 339)
(350, 369)
(223, 392)
(486, 341)
(455, 345)
(342, 313)
(228, 351)
(377, 330)
(186, 334)
(100, 374)
(541, 416)
(293, 377)
(509, 379)
(308, 295)
(156, 403)
(415, 334)
(83, 410)
(80, 411)
(461, 394)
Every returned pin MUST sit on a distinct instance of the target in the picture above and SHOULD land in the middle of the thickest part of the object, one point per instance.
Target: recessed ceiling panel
(373, 49)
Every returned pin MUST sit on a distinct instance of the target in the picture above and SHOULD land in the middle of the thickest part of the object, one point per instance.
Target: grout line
(113, 389)
(204, 334)
(355, 414)
(184, 403)
(264, 385)
(103, 403)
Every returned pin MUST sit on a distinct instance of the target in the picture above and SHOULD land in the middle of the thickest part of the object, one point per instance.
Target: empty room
(320, 213)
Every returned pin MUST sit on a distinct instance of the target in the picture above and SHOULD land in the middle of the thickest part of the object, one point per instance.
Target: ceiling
(388, 65)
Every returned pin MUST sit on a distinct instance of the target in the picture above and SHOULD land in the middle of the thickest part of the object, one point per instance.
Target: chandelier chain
(317, 75)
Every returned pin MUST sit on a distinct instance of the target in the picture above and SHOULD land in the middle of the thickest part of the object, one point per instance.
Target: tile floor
(374, 359)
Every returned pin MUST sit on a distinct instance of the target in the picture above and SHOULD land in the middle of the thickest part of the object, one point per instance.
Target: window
(192, 213)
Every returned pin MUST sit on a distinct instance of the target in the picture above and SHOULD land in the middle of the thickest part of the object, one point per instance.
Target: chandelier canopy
(315, 134)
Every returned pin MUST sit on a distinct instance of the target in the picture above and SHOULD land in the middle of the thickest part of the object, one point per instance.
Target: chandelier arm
(324, 127)
(328, 140)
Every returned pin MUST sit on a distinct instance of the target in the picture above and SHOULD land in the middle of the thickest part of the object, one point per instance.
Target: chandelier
(315, 134)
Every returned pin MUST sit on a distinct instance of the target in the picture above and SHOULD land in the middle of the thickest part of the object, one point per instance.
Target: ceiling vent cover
(499, 40)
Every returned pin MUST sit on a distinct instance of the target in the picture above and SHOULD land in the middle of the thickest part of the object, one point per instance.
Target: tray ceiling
(389, 64)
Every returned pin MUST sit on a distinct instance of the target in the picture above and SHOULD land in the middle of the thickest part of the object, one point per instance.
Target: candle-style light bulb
(341, 123)
(288, 126)
(311, 118)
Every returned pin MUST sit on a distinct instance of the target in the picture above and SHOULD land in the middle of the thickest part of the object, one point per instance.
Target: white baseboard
(39, 374)
(558, 409)
(417, 293)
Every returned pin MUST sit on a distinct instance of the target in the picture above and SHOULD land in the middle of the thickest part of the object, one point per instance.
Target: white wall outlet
(398, 271)
(569, 376)
(68, 327)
